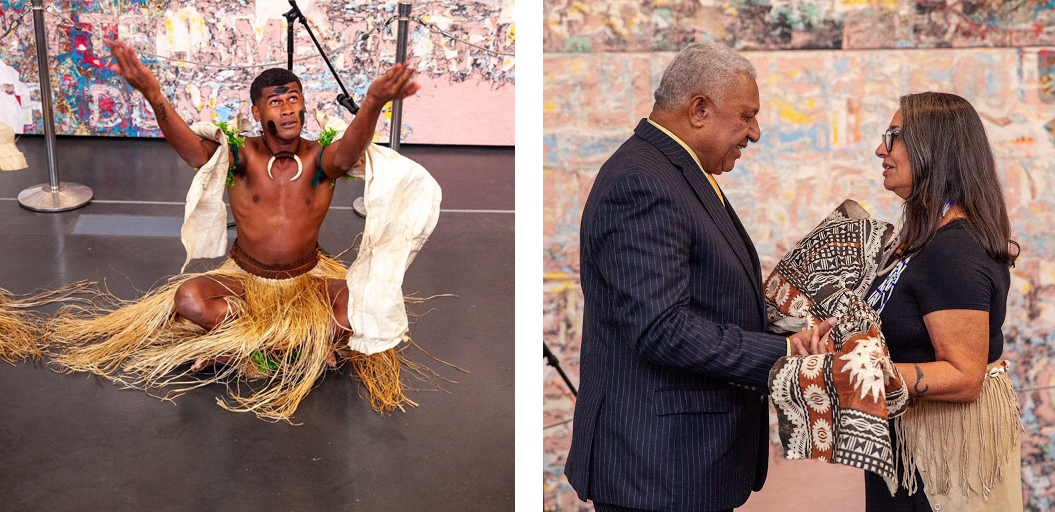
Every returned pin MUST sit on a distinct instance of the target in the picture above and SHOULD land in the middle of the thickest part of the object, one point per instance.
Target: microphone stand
(395, 130)
(294, 14)
(552, 360)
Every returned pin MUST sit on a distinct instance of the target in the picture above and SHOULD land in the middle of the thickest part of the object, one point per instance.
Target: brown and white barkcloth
(836, 407)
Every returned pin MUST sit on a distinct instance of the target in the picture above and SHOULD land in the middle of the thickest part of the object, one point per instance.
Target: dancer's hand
(132, 69)
(813, 341)
(396, 84)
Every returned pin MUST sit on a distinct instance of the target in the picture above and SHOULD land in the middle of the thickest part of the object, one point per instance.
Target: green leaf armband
(325, 139)
(234, 141)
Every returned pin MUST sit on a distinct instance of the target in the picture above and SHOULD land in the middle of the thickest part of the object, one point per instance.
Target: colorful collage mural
(667, 25)
(823, 111)
(223, 45)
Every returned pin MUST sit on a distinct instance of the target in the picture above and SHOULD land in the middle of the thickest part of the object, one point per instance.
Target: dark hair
(951, 159)
(271, 78)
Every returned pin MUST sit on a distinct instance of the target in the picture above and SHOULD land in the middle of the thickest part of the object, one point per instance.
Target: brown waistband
(281, 271)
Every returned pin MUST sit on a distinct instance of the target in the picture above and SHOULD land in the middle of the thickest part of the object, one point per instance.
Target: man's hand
(396, 84)
(813, 341)
(132, 69)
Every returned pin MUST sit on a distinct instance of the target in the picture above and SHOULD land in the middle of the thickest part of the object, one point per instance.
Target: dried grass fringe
(933, 433)
(141, 344)
(20, 329)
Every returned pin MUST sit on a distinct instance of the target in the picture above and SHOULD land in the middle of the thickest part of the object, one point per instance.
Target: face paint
(272, 129)
(301, 114)
(281, 89)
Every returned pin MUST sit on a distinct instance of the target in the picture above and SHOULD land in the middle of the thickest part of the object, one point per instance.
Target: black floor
(76, 442)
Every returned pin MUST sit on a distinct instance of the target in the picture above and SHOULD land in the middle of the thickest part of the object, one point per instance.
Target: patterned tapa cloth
(835, 407)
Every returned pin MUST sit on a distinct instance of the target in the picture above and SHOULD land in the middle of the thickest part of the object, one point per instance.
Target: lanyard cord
(879, 298)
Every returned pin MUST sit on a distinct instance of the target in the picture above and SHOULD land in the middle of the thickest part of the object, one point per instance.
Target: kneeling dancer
(277, 309)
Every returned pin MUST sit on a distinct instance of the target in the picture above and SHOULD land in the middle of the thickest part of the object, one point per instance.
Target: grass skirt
(20, 334)
(278, 339)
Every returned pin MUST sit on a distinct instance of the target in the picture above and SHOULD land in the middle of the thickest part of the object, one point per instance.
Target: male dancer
(277, 218)
(277, 307)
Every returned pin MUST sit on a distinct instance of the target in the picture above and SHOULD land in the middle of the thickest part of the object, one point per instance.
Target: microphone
(346, 102)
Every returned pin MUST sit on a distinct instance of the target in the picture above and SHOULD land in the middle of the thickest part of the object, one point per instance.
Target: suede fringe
(961, 448)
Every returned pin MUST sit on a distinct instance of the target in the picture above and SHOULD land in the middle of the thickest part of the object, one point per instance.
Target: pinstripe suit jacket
(671, 412)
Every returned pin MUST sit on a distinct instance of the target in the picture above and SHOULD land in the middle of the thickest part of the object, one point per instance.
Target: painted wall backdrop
(830, 74)
(466, 96)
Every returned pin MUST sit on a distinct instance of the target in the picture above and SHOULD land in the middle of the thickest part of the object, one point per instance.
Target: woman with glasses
(941, 295)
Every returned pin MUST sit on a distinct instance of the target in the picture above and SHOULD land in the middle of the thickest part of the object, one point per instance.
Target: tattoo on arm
(919, 379)
(162, 114)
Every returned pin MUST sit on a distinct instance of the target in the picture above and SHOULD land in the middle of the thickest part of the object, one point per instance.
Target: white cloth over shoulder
(403, 206)
(204, 232)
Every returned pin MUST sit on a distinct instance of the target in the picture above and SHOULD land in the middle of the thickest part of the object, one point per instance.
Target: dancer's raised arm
(396, 84)
(190, 148)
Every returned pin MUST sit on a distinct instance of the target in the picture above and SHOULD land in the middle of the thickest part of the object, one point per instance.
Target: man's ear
(256, 113)
(701, 109)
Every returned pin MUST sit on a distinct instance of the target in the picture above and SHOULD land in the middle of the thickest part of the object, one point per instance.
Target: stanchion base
(41, 198)
(359, 207)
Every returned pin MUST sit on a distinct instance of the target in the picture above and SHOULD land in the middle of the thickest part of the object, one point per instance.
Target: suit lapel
(734, 233)
(756, 266)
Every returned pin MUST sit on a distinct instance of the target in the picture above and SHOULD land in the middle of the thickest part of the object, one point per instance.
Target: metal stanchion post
(53, 196)
(396, 127)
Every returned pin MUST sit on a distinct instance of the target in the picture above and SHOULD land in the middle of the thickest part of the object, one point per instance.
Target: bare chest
(285, 191)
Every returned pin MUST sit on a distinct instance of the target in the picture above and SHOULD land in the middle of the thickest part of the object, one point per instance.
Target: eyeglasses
(889, 136)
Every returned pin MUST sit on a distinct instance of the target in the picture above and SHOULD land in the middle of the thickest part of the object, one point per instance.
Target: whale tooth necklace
(284, 154)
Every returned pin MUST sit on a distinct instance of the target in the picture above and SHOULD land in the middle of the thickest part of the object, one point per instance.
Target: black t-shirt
(953, 271)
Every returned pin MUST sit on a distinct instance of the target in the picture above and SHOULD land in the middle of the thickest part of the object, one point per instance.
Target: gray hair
(707, 68)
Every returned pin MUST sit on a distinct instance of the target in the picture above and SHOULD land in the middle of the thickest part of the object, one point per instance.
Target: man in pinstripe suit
(672, 412)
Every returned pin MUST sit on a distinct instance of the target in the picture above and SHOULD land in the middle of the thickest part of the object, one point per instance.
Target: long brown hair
(951, 159)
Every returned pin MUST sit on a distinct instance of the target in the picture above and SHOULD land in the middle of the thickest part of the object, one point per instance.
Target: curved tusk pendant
(300, 168)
